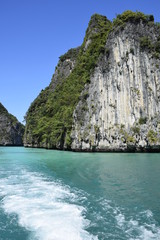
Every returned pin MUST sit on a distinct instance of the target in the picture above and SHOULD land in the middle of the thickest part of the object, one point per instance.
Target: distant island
(105, 94)
(11, 131)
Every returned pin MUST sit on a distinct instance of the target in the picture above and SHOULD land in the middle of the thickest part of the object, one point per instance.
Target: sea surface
(59, 195)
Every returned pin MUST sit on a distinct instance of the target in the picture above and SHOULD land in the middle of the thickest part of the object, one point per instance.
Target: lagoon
(60, 195)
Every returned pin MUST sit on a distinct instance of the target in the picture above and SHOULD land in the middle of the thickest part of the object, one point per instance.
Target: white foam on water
(135, 230)
(44, 207)
(142, 226)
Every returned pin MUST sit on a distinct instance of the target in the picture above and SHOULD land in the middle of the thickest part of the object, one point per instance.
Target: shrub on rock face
(152, 136)
(143, 120)
(145, 42)
(136, 130)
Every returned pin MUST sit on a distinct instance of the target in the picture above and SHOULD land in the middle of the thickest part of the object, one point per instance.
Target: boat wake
(50, 210)
(129, 225)
(44, 207)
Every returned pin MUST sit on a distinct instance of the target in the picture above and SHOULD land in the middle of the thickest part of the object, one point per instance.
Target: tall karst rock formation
(11, 131)
(104, 95)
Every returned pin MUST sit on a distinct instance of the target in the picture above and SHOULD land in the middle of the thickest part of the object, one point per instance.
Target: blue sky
(34, 33)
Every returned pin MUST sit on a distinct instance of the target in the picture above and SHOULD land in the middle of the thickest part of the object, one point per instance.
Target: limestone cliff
(11, 131)
(118, 104)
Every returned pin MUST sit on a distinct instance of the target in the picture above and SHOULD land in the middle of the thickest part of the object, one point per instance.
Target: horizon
(34, 36)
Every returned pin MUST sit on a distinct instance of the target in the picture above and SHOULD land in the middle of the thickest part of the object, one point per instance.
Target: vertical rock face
(117, 105)
(122, 109)
(11, 131)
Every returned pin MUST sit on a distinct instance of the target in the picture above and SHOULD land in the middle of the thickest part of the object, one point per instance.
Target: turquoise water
(55, 195)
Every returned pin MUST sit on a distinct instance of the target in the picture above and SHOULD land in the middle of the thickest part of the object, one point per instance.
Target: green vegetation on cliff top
(3, 111)
(134, 17)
